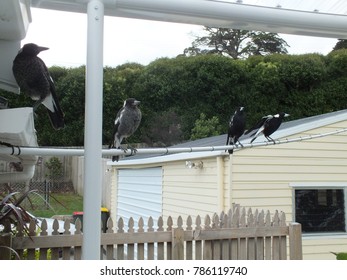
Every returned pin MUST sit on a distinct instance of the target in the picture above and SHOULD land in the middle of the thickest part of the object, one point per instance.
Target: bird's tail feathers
(55, 113)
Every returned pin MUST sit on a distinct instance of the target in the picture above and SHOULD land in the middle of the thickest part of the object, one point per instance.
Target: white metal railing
(44, 151)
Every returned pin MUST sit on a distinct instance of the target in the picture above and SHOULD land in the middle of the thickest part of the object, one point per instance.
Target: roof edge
(333, 117)
(166, 158)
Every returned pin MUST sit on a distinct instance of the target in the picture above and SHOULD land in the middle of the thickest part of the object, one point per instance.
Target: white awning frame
(217, 13)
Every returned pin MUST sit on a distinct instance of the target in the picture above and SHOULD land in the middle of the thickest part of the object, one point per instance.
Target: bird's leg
(227, 142)
(124, 149)
(270, 139)
(240, 143)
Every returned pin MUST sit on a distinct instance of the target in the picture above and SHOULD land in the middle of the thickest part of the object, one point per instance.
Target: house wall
(191, 191)
(185, 191)
(262, 177)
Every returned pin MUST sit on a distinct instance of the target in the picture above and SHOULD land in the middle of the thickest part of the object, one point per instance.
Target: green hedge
(183, 88)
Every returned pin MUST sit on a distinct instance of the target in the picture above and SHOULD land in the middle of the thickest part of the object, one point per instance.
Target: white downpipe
(93, 132)
(220, 184)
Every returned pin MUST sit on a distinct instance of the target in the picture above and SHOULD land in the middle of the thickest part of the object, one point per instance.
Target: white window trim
(320, 185)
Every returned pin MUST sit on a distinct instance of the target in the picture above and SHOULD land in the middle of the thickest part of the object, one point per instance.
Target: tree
(206, 127)
(55, 169)
(236, 43)
(341, 44)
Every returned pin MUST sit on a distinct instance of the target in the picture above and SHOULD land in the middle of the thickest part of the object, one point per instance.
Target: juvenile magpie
(267, 125)
(236, 127)
(34, 79)
(127, 121)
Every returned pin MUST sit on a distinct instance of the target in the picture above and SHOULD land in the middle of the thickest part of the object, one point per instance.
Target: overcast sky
(129, 40)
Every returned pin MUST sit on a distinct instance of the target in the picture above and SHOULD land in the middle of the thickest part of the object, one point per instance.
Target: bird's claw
(133, 151)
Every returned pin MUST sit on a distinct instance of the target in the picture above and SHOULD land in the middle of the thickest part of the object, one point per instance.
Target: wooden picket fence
(238, 234)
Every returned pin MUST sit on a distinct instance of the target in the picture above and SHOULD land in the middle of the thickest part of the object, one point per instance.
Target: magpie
(34, 79)
(236, 129)
(127, 121)
(267, 125)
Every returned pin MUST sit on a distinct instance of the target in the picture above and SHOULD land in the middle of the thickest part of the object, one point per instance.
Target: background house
(305, 179)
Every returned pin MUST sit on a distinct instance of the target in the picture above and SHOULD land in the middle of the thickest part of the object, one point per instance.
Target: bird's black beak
(43, 49)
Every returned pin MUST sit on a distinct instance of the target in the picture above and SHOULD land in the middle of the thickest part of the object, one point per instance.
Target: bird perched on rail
(236, 127)
(267, 125)
(127, 121)
(34, 79)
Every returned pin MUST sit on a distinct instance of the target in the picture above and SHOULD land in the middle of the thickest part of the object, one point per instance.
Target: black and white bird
(267, 125)
(34, 79)
(127, 121)
(236, 127)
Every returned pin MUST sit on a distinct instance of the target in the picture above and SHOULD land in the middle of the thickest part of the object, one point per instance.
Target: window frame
(317, 186)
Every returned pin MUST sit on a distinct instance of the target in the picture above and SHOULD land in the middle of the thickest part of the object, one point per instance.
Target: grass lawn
(60, 204)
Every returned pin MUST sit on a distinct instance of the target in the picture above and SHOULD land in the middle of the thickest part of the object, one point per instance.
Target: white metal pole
(93, 132)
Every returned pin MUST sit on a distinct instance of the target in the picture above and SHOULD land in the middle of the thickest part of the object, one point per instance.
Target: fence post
(295, 241)
(178, 241)
(5, 246)
(178, 244)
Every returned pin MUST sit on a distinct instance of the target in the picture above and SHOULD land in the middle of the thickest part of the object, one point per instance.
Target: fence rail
(238, 234)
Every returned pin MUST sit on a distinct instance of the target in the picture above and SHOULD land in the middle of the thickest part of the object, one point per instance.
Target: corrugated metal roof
(285, 129)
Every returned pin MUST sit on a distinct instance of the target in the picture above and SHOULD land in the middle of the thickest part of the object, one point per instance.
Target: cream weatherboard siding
(263, 178)
(190, 191)
(185, 191)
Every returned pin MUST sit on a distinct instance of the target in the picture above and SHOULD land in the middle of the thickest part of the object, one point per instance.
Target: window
(320, 210)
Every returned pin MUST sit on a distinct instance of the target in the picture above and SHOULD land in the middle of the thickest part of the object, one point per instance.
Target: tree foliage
(341, 44)
(55, 168)
(206, 127)
(174, 93)
(236, 43)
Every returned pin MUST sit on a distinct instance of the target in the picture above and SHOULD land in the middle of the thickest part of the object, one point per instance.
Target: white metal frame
(93, 131)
